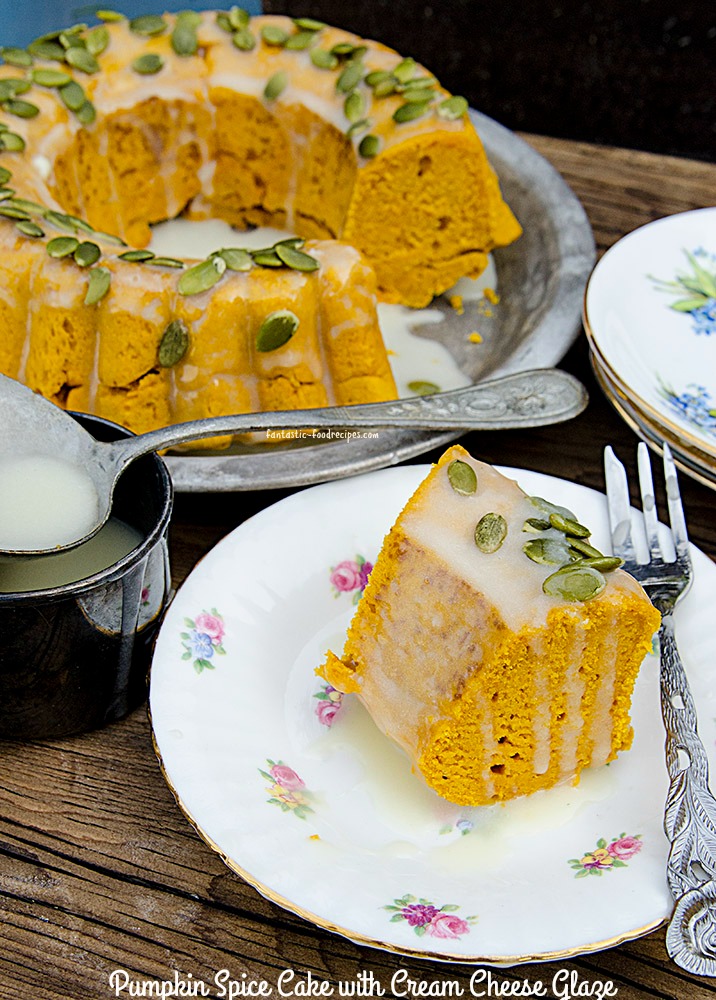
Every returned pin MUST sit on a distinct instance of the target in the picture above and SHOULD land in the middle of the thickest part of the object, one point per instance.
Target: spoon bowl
(31, 427)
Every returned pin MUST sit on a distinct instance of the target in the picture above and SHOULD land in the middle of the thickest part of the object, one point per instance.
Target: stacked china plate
(650, 316)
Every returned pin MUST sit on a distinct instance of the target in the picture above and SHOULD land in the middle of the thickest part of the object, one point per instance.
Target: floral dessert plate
(269, 763)
(650, 314)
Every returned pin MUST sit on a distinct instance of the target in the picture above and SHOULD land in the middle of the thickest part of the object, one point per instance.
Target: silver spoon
(31, 425)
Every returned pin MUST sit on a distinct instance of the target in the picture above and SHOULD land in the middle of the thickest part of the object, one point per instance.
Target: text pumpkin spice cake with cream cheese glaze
(262, 121)
(493, 642)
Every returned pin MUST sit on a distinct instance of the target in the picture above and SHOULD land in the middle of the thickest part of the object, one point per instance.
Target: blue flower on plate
(201, 645)
(704, 318)
(693, 404)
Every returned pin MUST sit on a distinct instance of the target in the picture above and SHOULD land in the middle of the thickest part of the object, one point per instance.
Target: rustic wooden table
(99, 870)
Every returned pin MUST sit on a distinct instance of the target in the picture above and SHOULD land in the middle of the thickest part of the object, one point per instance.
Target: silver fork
(690, 811)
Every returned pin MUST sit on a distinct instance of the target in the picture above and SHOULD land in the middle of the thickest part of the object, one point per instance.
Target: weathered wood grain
(100, 870)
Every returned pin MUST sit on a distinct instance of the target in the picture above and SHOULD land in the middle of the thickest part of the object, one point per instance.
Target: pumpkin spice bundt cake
(493, 642)
(256, 121)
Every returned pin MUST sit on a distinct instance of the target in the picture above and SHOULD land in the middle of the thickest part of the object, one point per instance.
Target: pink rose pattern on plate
(330, 702)
(286, 789)
(426, 918)
(605, 857)
(203, 640)
(350, 576)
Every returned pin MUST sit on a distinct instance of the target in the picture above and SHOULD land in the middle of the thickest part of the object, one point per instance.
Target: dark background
(637, 73)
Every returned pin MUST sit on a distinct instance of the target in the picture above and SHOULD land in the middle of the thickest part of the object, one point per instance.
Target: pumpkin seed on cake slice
(490, 532)
(12, 142)
(148, 24)
(100, 279)
(453, 108)
(422, 388)
(276, 85)
(86, 254)
(575, 583)
(97, 40)
(51, 77)
(148, 63)
(550, 551)
(276, 330)
(184, 39)
(244, 40)
(295, 259)
(16, 57)
(201, 277)
(174, 344)
(29, 228)
(62, 246)
(369, 146)
(236, 258)
(462, 477)
(136, 256)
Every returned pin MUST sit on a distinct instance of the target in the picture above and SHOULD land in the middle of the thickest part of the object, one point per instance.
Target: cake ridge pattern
(106, 130)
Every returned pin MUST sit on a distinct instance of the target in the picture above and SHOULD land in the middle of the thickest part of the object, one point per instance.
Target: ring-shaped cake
(264, 121)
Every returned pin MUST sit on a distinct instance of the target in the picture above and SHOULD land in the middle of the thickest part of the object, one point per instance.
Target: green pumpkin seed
(385, 88)
(29, 228)
(86, 114)
(73, 96)
(87, 254)
(109, 238)
(201, 277)
(25, 205)
(369, 146)
(462, 477)
(350, 76)
(300, 41)
(5, 175)
(148, 63)
(421, 388)
(237, 259)
(16, 57)
(22, 109)
(276, 330)
(290, 241)
(343, 50)
(6, 193)
(322, 59)
(99, 281)
(276, 85)
(266, 258)
(185, 40)
(357, 128)
(136, 256)
(174, 343)
(550, 551)
(10, 212)
(354, 106)
(244, 40)
(47, 50)
(273, 35)
(50, 77)
(97, 40)
(490, 532)
(378, 76)
(70, 39)
(238, 18)
(536, 524)
(575, 583)
(222, 20)
(410, 111)
(420, 95)
(405, 70)
(308, 24)
(109, 15)
(551, 508)
(418, 83)
(167, 262)
(569, 526)
(148, 25)
(12, 142)
(453, 108)
(14, 87)
(62, 246)
(605, 564)
(584, 548)
(82, 59)
(295, 259)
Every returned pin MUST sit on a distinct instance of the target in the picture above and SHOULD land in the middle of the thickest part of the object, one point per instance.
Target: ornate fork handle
(690, 816)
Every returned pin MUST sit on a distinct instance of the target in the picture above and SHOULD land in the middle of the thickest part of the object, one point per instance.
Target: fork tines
(620, 511)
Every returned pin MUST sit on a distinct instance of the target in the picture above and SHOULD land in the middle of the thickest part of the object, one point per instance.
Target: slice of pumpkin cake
(493, 642)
